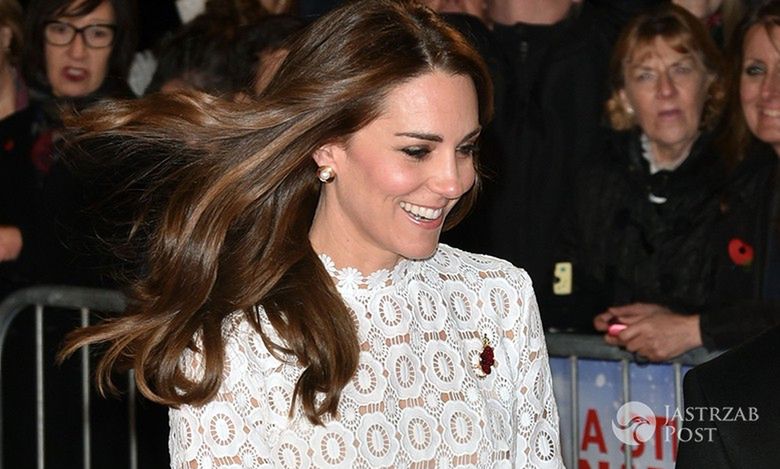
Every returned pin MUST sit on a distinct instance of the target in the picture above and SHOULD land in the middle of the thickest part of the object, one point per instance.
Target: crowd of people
(623, 154)
(620, 176)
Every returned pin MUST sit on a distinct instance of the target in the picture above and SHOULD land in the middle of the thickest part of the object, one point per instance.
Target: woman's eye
(469, 149)
(58, 28)
(416, 152)
(644, 76)
(754, 69)
(682, 69)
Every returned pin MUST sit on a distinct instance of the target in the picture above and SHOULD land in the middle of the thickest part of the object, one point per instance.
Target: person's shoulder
(246, 349)
(20, 119)
(759, 159)
(454, 259)
(753, 175)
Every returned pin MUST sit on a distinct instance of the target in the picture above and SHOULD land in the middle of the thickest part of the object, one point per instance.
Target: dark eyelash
(416, 152)
(470, 148)
(753, 69)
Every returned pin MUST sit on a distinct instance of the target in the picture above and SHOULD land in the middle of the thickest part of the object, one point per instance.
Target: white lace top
(418, 398)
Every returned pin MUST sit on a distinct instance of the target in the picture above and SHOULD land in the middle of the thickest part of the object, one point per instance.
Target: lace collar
(647, 154)
(350, 278)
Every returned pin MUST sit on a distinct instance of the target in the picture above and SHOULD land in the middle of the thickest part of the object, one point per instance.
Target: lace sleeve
(538, 441)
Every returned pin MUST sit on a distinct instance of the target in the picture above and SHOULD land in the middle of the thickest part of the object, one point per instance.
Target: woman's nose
(665, 85)
(771, 85)
(78, 47)
(449, 178)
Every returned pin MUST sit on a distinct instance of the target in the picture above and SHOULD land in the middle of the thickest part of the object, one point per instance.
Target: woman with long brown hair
(746, 377)
(296, 308)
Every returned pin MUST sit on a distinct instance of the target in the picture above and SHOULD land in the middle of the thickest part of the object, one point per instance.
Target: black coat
(46, 201)
(551, 89)
(25, 158)
(545, 133)
(739, 308)
(744, 378)
(626, 246)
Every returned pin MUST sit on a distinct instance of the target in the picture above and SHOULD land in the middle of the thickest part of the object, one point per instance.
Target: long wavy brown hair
(735, 137)
(226, 195)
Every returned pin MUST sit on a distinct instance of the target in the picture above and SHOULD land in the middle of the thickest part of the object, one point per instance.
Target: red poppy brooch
(486, 357)
(740, 252)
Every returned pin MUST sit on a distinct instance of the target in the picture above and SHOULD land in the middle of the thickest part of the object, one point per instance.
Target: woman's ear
(329, 154)
(626, 102)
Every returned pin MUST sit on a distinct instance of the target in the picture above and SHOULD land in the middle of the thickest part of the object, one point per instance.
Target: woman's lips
(669, 114)
(75, 74)
(774, 113)
(426, 217)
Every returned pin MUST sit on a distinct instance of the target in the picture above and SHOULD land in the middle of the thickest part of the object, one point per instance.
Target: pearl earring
(325, 174)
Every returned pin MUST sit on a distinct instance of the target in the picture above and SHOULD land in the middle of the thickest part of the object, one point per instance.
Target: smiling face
(667, 90)
(398, 177)
(760, 84)
(76, 70)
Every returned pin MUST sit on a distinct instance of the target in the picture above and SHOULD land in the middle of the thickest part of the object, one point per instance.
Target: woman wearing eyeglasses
(77, 52)
(80, 47)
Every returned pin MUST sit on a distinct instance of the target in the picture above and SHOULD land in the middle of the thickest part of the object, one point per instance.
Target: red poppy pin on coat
(740, 252)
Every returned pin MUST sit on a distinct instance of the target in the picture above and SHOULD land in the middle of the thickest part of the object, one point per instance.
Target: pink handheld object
(615, 327)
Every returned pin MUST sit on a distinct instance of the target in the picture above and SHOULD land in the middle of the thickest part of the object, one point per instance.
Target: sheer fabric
(418, 398)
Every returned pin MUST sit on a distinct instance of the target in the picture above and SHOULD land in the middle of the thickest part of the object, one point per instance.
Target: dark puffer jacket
(636, 237)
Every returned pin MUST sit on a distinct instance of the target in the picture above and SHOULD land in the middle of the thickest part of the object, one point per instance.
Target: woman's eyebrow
(472, 134)
(421, 136)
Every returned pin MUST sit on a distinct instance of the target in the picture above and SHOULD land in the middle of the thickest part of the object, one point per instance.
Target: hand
(654, 331)
(10, 243)
(625, 314)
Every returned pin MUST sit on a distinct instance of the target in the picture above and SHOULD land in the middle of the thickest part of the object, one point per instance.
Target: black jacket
(742, 385)
(626, 244)
(739, 308)
(25, 158)
(550, 94)
(545, 133)
(45, 200)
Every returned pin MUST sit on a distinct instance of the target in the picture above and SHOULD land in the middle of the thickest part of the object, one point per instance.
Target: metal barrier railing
(578, 346)
(571, 346)
(84, 300)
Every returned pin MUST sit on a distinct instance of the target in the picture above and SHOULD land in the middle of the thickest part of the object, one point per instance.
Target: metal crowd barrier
(577, 346)
(84, 300)
(571, 346)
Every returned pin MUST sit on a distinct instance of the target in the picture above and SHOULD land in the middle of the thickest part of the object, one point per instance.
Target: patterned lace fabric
(418, 399)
